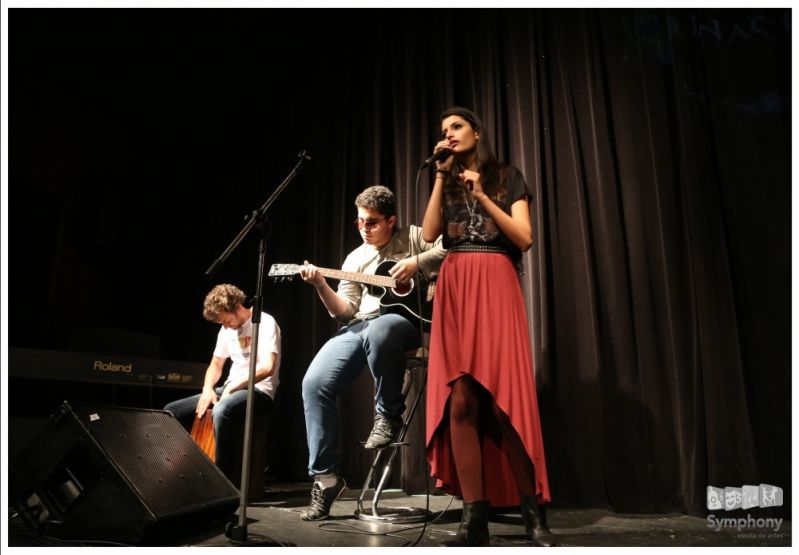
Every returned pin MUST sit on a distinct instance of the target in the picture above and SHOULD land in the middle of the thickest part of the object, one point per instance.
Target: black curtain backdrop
(656, 143)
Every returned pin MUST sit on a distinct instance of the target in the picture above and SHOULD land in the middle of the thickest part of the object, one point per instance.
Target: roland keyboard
(100, 368)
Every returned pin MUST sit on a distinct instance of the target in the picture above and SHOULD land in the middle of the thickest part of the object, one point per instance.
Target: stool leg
(366, 483)
(383, 478)
(398, 514)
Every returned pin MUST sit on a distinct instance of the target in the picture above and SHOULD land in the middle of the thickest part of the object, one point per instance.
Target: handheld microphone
(442, 154)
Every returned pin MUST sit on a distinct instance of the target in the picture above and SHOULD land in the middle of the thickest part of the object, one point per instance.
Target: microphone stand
(238, 532)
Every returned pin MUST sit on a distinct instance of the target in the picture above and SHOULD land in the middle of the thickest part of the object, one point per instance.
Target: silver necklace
(473, 222)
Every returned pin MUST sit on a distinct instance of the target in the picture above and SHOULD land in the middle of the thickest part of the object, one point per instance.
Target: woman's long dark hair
(487, 164)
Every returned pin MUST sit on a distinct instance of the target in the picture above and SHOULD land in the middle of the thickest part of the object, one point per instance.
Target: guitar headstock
(284, 271)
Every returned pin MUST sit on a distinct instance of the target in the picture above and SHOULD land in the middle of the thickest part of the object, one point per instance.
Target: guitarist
(365, 338)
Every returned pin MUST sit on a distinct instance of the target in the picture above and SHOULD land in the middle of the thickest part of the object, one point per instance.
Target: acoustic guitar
(395, 297)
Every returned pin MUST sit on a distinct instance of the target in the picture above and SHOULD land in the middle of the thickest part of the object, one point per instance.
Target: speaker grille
(158, 458)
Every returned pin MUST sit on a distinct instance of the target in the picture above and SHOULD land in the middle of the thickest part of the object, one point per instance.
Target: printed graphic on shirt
(244, 342)
(470, 223)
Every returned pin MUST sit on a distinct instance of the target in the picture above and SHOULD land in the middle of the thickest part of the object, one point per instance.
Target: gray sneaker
(322, 500)
(384, 432)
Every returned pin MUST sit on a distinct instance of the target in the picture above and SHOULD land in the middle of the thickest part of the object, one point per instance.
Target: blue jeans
(381, 343)
(228, 418)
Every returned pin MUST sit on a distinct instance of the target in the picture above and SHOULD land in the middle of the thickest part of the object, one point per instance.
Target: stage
(276, 518)
(653, 144)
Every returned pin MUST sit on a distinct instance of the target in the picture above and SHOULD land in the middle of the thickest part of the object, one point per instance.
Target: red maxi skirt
(480, 328)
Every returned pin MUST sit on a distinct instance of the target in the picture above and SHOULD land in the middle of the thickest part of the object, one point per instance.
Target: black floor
(275, 520)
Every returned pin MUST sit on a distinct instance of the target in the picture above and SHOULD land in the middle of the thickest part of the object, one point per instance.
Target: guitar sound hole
(403, 289)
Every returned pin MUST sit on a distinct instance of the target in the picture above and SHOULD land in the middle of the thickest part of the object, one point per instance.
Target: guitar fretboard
(369, 279)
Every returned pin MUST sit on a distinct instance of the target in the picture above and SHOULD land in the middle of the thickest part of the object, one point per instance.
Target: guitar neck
(369, 279)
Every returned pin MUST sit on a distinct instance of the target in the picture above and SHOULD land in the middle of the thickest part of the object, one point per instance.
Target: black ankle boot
(535, 522)
(473, 530)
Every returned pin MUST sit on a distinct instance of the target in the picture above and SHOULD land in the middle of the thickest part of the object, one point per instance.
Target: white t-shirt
(236, 345)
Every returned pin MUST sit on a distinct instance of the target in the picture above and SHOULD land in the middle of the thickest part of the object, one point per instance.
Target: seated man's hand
(404, 270)
(207, 398)
(310, 273)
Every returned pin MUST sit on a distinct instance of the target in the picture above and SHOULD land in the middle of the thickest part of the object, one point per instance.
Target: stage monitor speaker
(116, 474)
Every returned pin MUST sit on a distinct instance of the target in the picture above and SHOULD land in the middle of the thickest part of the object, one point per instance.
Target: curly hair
(377, 197)
(222, 298)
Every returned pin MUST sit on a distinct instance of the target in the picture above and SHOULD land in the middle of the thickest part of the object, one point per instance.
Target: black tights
(473, 414)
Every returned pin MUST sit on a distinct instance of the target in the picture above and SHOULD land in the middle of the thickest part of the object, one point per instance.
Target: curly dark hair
(377, 197)
(222, 298)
